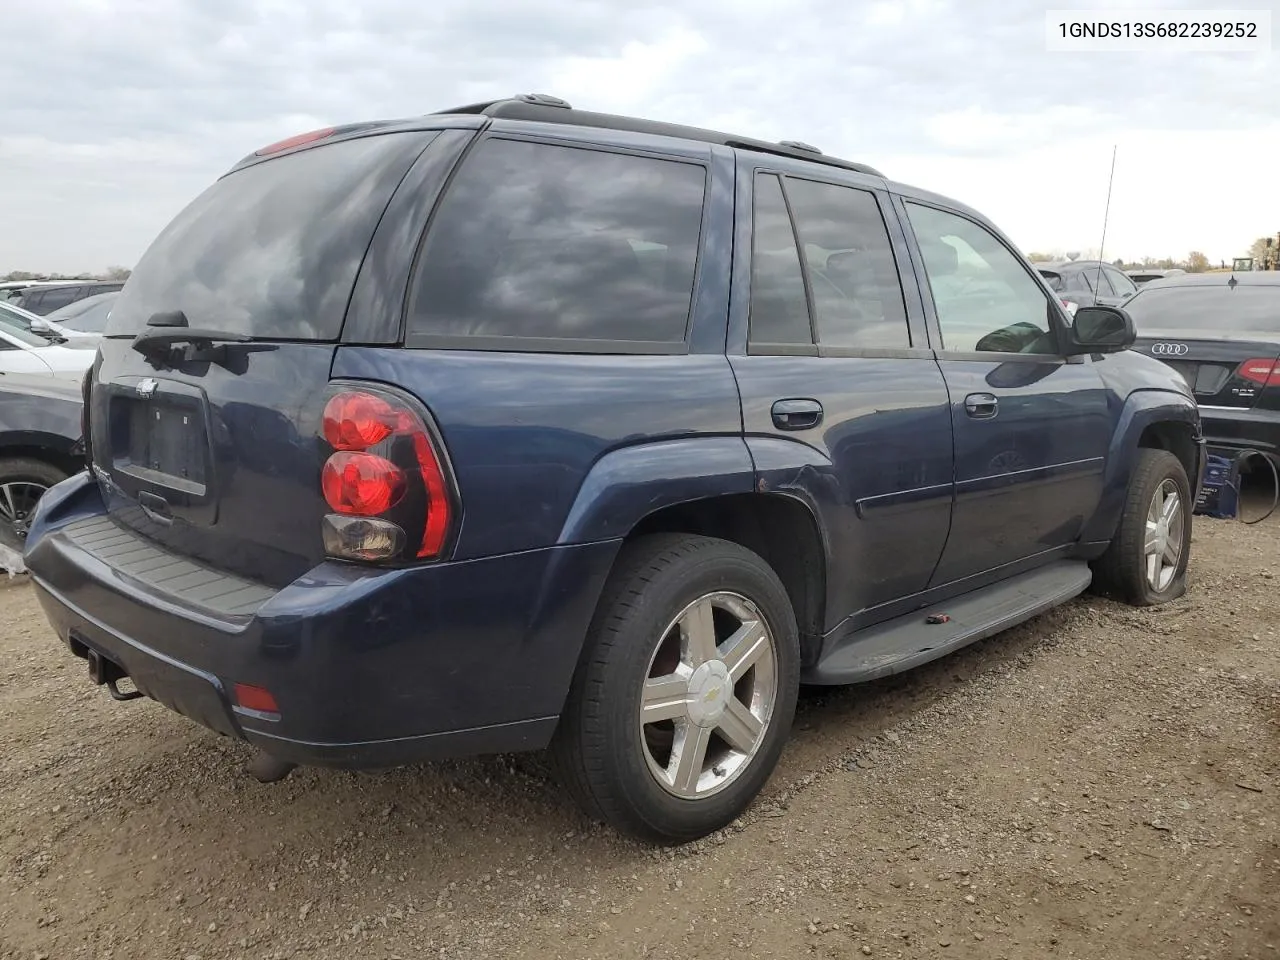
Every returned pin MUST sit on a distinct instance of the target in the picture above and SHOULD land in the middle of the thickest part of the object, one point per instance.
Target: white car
(25, 353)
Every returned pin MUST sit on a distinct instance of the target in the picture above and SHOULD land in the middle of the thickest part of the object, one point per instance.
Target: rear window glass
(1244, 309)
(535, 241)
(271, 250)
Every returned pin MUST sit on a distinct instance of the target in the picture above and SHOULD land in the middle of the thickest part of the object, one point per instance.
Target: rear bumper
(368, 668)
(1238, 430)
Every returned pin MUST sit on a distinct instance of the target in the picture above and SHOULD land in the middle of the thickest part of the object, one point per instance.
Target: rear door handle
(981, 406)
(796, 414)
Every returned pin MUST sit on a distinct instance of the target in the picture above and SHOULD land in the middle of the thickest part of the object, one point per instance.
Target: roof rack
(548, 109)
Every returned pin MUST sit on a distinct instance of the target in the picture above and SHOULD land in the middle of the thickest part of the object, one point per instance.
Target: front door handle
(796, 414)
(981, 406)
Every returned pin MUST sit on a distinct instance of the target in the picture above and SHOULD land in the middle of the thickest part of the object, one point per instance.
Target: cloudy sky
(114, 113)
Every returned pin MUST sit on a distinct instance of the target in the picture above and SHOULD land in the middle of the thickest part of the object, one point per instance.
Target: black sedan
(1221, 331)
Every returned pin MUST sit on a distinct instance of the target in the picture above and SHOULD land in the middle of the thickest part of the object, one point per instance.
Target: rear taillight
(384, 478)
(1264, 371)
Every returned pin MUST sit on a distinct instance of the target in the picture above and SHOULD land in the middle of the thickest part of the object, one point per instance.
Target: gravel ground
(1101, 781)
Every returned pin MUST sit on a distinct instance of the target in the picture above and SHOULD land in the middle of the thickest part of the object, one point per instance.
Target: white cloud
(116, 112)
(1173, 192)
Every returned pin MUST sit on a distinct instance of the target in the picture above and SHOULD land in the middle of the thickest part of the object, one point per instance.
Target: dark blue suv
(517, 426)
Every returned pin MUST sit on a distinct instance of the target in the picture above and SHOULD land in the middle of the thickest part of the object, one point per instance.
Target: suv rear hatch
(1223, 338)
(205, 408)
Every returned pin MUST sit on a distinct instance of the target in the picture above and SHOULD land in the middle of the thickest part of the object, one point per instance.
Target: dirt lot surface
(1100, 782)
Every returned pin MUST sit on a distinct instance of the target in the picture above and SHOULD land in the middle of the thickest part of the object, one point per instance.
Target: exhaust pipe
(268, 769)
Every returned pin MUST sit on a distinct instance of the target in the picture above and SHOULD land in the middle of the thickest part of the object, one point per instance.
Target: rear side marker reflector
(256, 699)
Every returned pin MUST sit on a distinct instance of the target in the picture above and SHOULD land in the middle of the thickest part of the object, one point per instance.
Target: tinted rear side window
(779, 307)
(536, 242)
(272, 250)
(853, 277)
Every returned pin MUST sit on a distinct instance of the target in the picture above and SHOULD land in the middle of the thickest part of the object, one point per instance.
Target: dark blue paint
(557, 458)
(886, 432)
(1027, 478)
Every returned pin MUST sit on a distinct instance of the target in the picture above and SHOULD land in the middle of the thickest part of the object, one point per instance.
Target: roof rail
(545, 108)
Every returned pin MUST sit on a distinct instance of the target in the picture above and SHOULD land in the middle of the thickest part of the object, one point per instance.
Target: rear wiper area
(169, 341)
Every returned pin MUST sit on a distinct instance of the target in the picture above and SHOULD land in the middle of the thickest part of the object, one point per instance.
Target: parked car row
(24, 350)
(43, 297)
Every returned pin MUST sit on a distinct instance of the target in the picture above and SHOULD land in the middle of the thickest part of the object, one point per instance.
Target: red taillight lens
(295, 141)
(1264, 371)
(363, 484)
(385, 466)
(358, 421)
(259, 699)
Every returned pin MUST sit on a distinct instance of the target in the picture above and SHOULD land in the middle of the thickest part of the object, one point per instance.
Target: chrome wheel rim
(17, 501)
(708, 695)
(1162, 550)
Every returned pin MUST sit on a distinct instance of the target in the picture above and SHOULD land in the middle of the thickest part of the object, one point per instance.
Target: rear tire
(700, 635)
(1146, 563)
(22, 481)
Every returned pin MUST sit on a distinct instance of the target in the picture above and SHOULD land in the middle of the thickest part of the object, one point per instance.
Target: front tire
(686, 690)
(1146, 563)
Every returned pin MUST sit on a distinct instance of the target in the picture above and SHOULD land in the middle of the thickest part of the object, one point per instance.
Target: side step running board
(908, 641)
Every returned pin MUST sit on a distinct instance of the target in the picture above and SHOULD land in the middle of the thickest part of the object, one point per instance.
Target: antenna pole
(1106, 212)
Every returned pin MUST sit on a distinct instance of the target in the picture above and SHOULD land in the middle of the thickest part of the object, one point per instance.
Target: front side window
(985, 299)
(548, 242)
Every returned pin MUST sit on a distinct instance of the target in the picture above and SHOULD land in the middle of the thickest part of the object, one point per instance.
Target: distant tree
(1039, 257)
(116, 273)
(1259, 249)
(20, 275)
(1197, 262)
(1118, 262)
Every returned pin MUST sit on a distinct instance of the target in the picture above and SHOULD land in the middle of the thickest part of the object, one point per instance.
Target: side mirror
(1100, 329)
(40, 326)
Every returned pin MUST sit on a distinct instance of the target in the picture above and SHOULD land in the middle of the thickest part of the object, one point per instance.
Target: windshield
(1241, 309)
(17, 324)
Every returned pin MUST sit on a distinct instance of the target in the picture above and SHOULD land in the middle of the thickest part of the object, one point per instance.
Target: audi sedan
(1221, 332)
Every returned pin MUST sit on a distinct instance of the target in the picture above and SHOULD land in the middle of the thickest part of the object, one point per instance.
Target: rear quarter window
(555, 247)
(272, 250)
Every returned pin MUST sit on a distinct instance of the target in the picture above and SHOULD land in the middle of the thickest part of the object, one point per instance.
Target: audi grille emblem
(1169, 349)
(147, 387)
